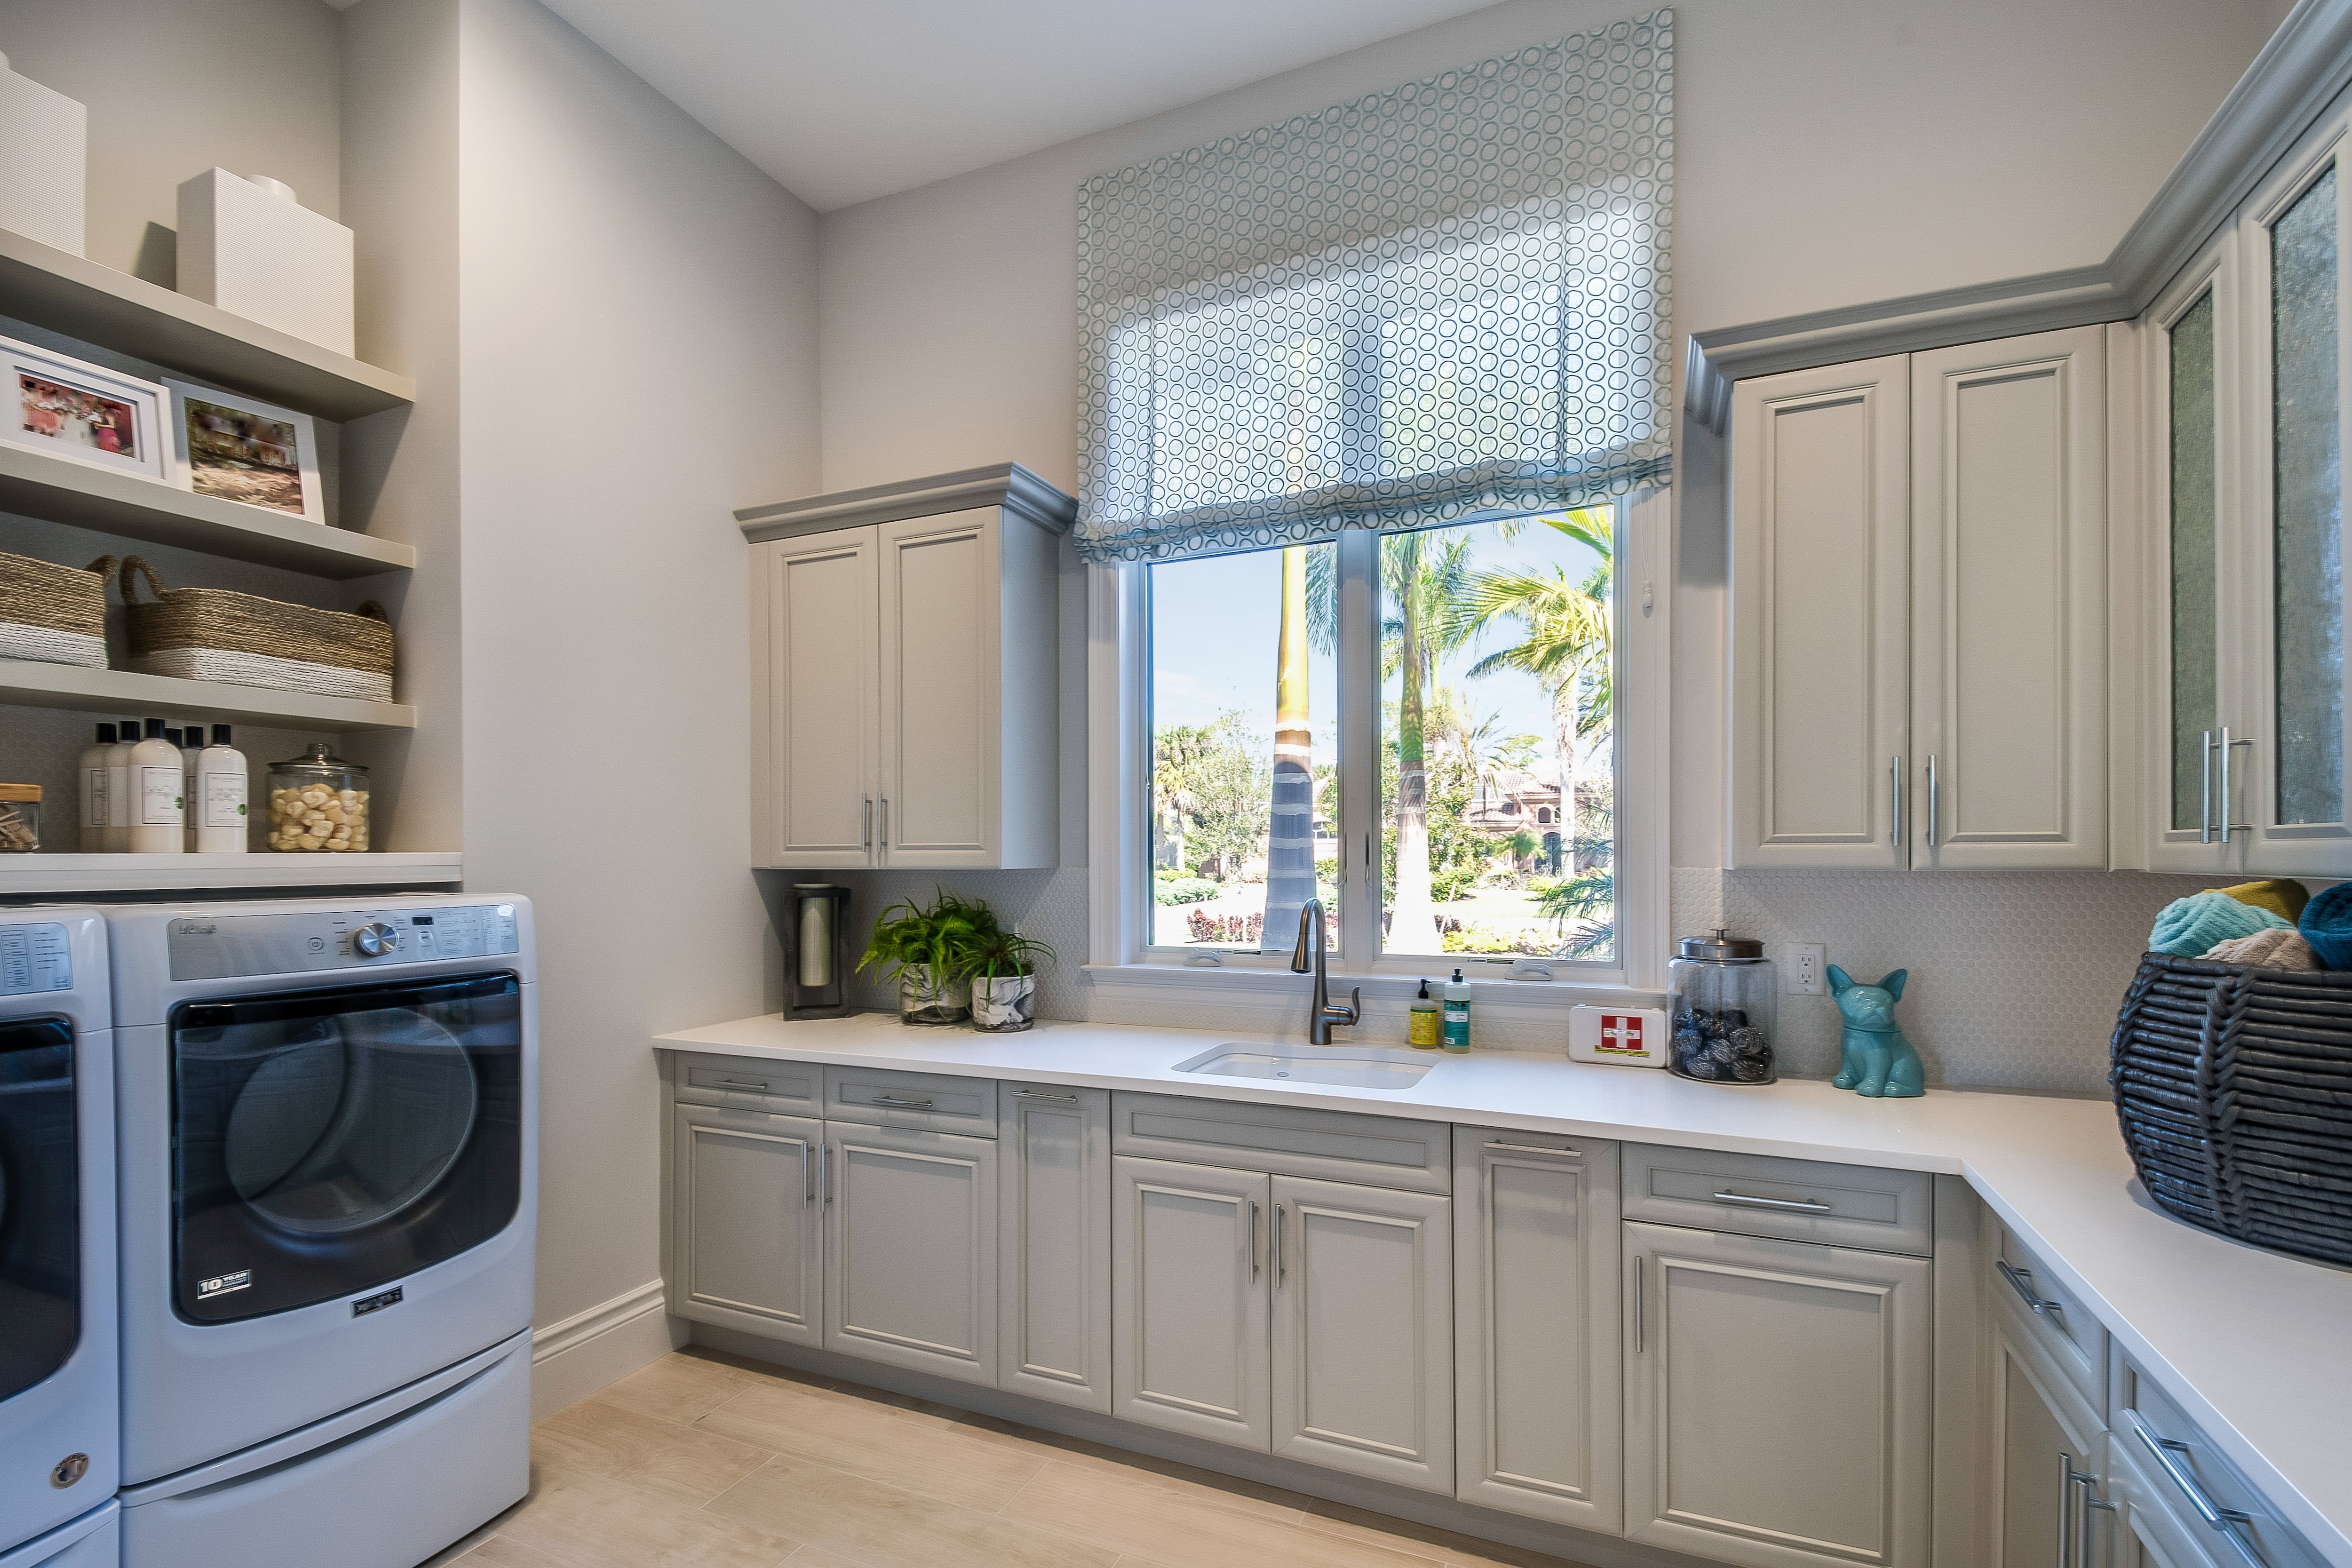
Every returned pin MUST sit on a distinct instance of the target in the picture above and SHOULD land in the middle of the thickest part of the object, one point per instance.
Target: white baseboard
(573, 1359)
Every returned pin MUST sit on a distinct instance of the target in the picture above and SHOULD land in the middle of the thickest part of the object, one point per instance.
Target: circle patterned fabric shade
(1445, 300)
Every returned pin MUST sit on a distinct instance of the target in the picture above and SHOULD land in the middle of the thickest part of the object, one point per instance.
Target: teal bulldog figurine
(1875, 1058)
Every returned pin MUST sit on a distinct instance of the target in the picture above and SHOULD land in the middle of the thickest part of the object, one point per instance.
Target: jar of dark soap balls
(1724, 989)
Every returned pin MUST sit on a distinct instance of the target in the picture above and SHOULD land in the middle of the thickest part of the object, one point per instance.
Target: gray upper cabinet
(910, 1249)
(746, 1244)
(1054, 1271)
(1537, 1368)
(905, 689)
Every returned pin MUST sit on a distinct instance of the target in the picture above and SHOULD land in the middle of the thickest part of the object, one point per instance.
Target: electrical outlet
(1805, 961)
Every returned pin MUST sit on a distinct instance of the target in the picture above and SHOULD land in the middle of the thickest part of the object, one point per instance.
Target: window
(1456, 684)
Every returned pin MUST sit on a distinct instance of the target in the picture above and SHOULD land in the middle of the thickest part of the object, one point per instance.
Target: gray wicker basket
(2235, 1089)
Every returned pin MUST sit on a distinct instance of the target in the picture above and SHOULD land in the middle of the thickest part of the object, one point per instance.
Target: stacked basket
(2234, 1088)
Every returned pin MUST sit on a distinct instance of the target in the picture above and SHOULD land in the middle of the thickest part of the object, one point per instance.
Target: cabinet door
(941, 674)
(1363, 1330)
(1777, 1401)
(1820, 616)
(747, 1245)
(1054, 1276)
(2048, 1469)
(2008, 498)
(910, 1249)
(814, 681)
(1188, 1299)
(1537, 1371)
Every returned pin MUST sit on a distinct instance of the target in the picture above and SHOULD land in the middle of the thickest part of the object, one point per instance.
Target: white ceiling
(843, 100)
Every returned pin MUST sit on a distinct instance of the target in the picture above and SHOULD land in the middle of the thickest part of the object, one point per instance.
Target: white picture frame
(84, 413)
(222, 444)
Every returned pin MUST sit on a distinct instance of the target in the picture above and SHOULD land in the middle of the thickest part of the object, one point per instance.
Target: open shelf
(87, 496)
(83, 875)
(70, 294)
(73, 686)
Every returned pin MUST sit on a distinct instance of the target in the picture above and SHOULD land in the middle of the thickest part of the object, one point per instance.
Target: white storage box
(248, 247)
(44, 154)
(1624, 1036)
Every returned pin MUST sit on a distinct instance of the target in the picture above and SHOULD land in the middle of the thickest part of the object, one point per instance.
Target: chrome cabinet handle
(1641, 1302)
(1935, 800)
(2228, 746)
(1535, 1149)
(1047, 1098)
(1252, 1241)
(885, 834)
(2205, 790)
(2085, 1503)
(825, 1171)
(894, 1103)
(759, 1084)
(1894, 781)
(2066, 1474)
(865, 823)
(1749, 1200)
(2166, 1451)
(2020, 1282)
(808, 1172)
(1280, 1271)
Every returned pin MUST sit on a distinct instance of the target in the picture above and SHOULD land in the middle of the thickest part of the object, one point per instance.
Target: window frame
(1119, 773)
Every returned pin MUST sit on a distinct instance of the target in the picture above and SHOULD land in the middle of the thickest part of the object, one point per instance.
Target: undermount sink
(1345, 1066)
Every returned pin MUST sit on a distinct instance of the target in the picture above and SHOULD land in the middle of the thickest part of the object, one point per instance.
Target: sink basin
(1347, 1066)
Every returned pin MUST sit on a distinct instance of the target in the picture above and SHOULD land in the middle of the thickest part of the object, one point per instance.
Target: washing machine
(327, 1160)
(60, 1449)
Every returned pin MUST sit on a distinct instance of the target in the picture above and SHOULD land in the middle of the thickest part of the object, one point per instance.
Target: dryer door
(332, 1141)
(40, 1202)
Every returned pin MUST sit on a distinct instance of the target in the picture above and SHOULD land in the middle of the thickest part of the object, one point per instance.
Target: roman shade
(1435, 302)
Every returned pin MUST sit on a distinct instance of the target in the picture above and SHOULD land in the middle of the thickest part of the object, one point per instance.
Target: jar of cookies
(318, 802)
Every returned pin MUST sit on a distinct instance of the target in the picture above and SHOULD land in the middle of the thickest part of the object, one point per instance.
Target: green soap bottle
(1457, 1013)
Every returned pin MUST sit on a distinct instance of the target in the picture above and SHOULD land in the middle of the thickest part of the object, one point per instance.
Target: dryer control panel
(222, 947)
(34, 958)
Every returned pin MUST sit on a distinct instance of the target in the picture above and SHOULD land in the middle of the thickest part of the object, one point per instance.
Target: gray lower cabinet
(911, 1252)
(1537, 1368)
(2048, 1476)
(747, 1244)
(1189, 1329)
(1778, 1402)
(1053, 1268)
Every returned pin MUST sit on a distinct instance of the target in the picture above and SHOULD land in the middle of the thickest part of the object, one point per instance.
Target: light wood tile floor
(704, 1460)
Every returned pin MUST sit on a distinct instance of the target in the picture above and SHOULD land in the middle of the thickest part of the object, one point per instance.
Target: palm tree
(1426, 583)
(1290, 841)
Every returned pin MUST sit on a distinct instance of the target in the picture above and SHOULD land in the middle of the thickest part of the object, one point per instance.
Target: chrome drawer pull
(1537, 1149)
(761, 1085)
(1047, 1098)
(2020, 1282)
(897, 1104)
(2166, 1451)
(1802, 1206)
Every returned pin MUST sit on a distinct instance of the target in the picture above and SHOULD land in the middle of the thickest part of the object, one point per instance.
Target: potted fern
(1004, 981)
(932, 951)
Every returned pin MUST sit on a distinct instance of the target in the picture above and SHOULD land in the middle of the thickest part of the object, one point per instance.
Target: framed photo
(69, 408)
(239, 448)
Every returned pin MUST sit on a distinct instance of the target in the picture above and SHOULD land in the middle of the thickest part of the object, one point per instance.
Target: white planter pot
(921, 1002)
(1006, 1003)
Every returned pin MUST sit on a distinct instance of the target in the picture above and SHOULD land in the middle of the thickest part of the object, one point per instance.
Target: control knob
(374, 939)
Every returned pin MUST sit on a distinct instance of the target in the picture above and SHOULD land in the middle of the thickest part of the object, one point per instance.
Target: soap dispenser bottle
(1424, 1030)
(158, 785)
(93, 791)
(1457, 1013)
(121, 810)
(217, 804)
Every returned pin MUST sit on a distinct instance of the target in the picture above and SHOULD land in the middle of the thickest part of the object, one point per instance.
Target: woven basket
(211, 634)
(2234, 1088)
(54, 615)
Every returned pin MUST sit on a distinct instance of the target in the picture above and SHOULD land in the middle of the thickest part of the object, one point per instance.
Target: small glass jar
(1724, 991)
(20, 819)
(318, 802)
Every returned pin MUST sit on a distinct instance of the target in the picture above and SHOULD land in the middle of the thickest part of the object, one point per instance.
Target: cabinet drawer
(1282, 1140)
(1795, 1200)
(935, 1100)
(2181, 1468)
(750, 1083)
(2040, 1308)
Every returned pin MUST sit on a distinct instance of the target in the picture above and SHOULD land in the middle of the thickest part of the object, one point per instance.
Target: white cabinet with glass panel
(2241, 376)
(905, 689)
(1919, 609)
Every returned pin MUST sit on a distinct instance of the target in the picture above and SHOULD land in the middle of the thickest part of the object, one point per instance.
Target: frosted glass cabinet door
(1777, 1400)
(942, 728)
(815, 677)
(910, 1249)
(2008, 552)
(1819, 618)
(744, 1227)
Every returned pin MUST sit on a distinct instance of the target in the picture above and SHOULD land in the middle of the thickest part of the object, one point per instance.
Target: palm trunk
(1290, 848)
(1564, 716)
(1413, 915)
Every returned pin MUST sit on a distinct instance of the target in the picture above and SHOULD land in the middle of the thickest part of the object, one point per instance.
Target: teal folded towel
(2189, 926)
(2326, 924)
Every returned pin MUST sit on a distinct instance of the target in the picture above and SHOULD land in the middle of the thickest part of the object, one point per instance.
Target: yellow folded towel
(2280, 947)
(2283, 896)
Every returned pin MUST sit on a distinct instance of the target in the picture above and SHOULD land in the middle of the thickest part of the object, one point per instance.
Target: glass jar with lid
(1724, 991)
(317, 803)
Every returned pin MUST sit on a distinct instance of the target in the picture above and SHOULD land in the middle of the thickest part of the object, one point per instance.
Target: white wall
(637, 359)
(1827, 153)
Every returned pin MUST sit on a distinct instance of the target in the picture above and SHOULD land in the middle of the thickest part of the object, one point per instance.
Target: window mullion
(1359, 776)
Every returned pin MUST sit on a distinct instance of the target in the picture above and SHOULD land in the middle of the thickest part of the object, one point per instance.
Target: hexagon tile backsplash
(2015, 975)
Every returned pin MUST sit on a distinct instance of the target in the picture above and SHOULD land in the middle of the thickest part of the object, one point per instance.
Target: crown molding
(2298, 74)
(1006, 484)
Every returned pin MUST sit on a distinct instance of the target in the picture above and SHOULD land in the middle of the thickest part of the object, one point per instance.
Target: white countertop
(2255, 1345)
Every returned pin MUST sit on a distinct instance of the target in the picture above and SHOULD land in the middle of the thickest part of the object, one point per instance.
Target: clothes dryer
(60, 1449)
(328, 1191)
